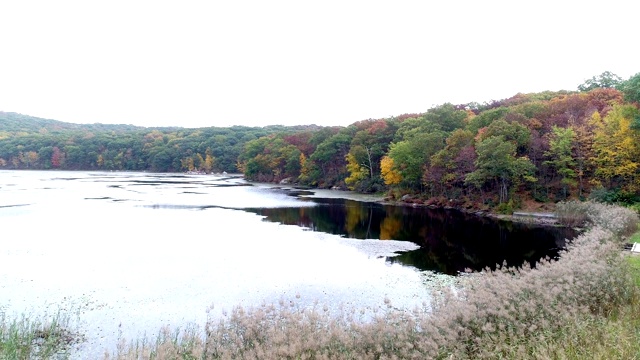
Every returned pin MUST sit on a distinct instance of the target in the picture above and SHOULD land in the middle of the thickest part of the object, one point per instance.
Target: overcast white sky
(215, 63)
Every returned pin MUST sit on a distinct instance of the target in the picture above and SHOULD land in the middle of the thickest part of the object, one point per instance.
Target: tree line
(545, 146)
(32, 143)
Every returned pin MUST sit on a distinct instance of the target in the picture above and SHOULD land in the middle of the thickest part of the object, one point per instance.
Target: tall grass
(620, 221)
(33, 337)
(586, 304)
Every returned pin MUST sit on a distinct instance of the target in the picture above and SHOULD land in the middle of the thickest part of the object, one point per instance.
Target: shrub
(601, 194)
(509, 312)
(620, 221)
(572, 213)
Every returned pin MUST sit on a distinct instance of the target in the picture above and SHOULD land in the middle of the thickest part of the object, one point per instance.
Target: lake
(128, 253)
(450, 241)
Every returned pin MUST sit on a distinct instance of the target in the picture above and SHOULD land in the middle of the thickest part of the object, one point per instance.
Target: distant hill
(28, 142)
(12, 122)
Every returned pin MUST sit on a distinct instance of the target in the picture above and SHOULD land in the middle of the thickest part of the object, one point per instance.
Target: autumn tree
(30, 158)
(616, 151)
(305, 169)
(583, 152)
(560, 156)
(187, 164)
(358, 171)
(450, 165)
(198, 161)
(390, 175)
(270, 158)
(209, 161)
(368, 146)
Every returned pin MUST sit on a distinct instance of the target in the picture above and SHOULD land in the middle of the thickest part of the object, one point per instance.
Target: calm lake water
(450, 241)
(128, 253)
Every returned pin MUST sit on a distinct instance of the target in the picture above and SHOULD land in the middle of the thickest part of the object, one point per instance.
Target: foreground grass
(634, 267)
(616, 335)
(31, 337)
(635, 238)
(586, 305)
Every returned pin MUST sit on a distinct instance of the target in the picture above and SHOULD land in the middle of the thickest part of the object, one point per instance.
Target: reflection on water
(135, 252)
(142, 251)
(450, 241)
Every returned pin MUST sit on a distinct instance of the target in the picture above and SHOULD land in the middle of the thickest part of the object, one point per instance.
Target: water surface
(450, 241)
(129, 253)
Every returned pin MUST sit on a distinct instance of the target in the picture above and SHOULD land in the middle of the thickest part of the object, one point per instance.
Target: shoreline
(519, 216)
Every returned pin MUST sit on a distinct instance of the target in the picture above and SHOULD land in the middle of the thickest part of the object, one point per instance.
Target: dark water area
(450, 241)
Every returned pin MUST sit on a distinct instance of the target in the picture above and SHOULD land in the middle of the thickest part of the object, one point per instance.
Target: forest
(544, 147)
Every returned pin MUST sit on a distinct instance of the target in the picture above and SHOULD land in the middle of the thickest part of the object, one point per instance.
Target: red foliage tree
(57, 157)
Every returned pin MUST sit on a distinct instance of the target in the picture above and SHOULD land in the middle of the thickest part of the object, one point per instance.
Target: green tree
(517, 133)
(412, 155)
(485, 119)
(447, 117)
(498, 165)
(45, 153)
(605, 80)
(631, 88)
(163, 161)
(330, 159)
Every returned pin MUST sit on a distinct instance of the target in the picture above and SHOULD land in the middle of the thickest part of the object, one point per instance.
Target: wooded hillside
(32, 143)
(545, 146)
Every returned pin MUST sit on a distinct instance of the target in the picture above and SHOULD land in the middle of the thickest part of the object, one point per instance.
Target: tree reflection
(450, 241)
(390, 227)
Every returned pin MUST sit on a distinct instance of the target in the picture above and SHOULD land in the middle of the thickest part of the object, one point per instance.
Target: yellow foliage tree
(187, 164)
(389, 174)
(209, 160)
(357, 172)
(615, 148)
(305, 168)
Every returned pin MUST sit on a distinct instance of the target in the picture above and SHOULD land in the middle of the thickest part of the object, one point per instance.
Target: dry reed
(555, 310)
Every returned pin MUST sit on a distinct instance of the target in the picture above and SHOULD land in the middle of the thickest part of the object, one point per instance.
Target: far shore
(520, 215)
